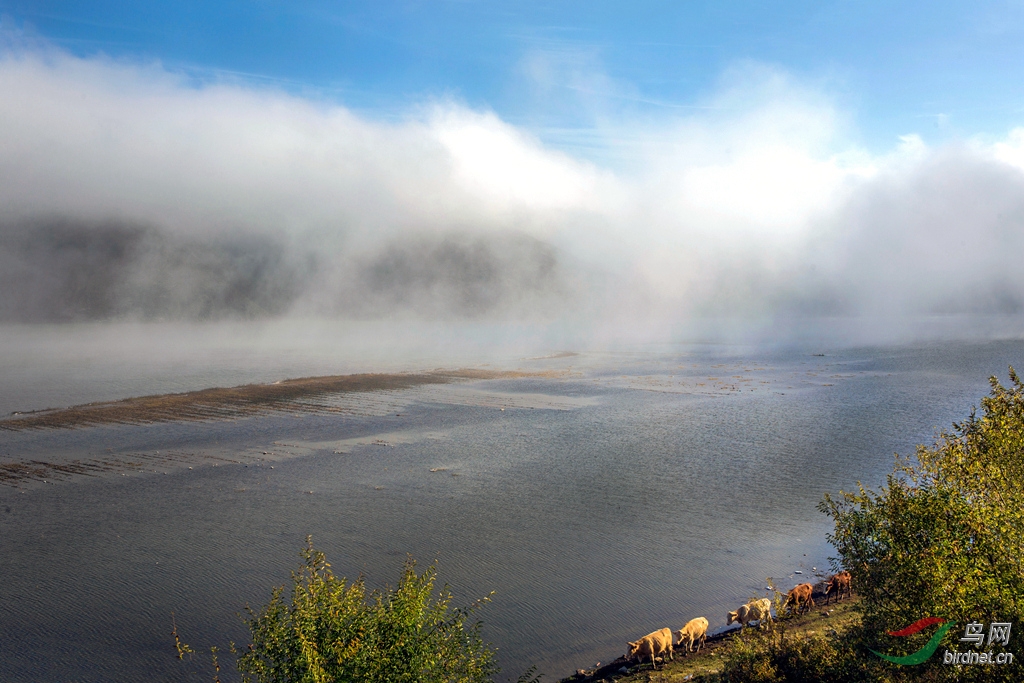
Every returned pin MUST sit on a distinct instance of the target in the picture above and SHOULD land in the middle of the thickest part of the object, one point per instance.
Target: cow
(837, 585)
(800, 597)
(755, 610)
(654, 644)
(695, 631)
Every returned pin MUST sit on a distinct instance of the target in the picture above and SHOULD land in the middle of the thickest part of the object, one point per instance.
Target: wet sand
(98, 451)
(229, 403)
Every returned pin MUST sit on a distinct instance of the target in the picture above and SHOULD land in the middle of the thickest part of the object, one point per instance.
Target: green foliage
(333, 631)
(773, 658)
(944, 537)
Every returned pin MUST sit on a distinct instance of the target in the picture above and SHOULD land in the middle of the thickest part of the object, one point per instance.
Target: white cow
(756, 610)
(653, 644)
(695, 631)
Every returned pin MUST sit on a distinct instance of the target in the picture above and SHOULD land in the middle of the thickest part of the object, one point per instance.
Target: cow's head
(732, 616)
(633, 649)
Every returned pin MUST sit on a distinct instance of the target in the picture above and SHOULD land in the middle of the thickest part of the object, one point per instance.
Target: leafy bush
(773, 658)
(332, 631)
(944, 537)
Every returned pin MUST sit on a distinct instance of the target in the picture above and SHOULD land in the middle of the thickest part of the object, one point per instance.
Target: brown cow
(837, 585)
(695, 631)
(800, 597)
(653, 644)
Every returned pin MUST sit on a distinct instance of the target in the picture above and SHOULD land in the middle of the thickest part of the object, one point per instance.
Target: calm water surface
(626, 493)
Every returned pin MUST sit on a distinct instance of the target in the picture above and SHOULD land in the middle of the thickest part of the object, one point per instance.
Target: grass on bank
(737, 646)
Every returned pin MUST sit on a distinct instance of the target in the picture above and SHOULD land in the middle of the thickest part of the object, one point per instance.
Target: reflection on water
(631, 492)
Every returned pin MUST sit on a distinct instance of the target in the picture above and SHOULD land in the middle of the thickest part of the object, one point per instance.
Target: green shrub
(773, 657)
(944, 537)
(332, 631)
(750, 660)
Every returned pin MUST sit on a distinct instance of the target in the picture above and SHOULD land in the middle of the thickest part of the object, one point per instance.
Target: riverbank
(706, 665)
(227, 403)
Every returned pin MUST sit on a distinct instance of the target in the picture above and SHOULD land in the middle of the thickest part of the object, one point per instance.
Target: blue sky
(941, 70)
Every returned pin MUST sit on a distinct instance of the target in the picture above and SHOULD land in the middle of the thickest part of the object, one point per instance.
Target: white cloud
(509, 170)
(754, 205)
(1011, 150)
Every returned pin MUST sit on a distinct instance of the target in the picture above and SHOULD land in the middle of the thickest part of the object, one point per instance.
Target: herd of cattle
(661, 642)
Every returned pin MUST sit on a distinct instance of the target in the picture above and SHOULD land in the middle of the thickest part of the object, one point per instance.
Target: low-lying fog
(132, 193)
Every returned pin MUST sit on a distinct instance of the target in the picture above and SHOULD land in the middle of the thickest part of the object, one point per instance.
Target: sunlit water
(630, 492)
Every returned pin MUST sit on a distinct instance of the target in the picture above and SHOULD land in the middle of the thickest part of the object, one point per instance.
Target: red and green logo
(929, 648)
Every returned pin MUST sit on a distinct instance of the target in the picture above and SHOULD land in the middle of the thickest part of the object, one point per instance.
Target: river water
(619, 493)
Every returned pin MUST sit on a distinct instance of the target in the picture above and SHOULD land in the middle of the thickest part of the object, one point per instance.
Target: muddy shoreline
(220, 403)
(624, 669)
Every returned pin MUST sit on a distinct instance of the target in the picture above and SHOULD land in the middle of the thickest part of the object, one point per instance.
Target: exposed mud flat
(116, 438)
(229, 403)
(20, 473)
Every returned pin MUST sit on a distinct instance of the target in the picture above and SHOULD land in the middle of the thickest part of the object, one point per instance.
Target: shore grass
(706, 665)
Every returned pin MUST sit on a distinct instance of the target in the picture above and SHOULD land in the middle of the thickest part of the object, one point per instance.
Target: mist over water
(60, 365)
(131, 193)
